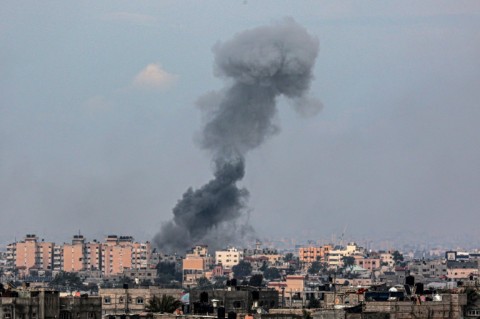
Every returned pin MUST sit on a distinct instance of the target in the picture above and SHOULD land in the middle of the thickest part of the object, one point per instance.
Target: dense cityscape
(119, 276)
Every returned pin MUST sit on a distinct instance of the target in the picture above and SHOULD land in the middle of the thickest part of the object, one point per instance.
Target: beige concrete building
(228, 258)
(387, 258)
(368, 263)
(116, 301)
(195, 265)
(335, 256)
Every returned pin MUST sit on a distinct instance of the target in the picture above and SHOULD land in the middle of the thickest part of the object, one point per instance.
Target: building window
(107, 300)
(139, 301)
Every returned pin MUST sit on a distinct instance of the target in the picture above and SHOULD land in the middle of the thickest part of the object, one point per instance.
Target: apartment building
(94, 255)
(112, 257)
(462, 269)
(229, 257)
(310, 254)
(119, 253)
(368, 263)
(74, 255)
(195, 265)
(386, 257)
(30, 253)
(335, 256)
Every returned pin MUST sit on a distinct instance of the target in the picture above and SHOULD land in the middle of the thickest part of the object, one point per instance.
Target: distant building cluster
(110, 257)
(124, 277)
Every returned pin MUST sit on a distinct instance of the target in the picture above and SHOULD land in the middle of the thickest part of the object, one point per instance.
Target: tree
(271, 273)
(167, 272)
(68, 280)
(163, 304)
(256, 280)
(290, 270)
(203, 283)
(315, 267)
(397, 256)
(165, 268)
(242, 269)
(288, 257)
(219, 282)
(348, 261)
(264, 266)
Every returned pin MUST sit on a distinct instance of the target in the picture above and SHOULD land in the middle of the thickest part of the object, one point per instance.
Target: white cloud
(154, 77)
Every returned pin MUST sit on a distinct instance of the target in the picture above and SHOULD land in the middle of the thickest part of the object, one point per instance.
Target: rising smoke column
(259, 65)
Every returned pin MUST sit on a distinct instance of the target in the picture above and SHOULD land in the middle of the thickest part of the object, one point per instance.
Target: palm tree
(165, 303)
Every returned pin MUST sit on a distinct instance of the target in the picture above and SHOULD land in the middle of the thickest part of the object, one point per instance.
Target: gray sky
(98, 123)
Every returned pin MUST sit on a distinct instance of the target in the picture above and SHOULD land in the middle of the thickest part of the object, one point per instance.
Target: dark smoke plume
(263, 63)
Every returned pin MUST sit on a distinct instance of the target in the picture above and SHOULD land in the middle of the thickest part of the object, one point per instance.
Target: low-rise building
(43, 303)
(242, 299)
(118, 301)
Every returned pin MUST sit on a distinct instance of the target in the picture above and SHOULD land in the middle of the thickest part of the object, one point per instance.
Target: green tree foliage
(242, 270)
(264, 266)
(348, 261)
(219, 282)
(68, 281)
(256, 280)
(397, 256)
(166, 273)
(165, 303)
(288, 257)
(272, 273)
(203, 283)
(315, 267)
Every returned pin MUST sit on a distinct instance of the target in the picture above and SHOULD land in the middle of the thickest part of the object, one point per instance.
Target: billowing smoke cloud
(263, 63)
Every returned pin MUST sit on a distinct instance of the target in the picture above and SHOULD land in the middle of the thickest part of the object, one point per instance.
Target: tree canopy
(397, 256)
(68, 280)
(167, 273)
(272, 273)
(315, 267)
(242, 270)
(256, 280)
(203, 282)
(348, 261)
(165, 303)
